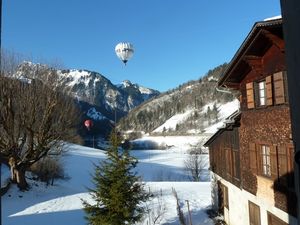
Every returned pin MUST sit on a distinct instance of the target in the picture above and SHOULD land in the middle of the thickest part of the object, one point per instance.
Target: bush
(48, 169)
(194, 166)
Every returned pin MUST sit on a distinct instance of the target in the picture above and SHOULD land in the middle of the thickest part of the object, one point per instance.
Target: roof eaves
(237, 56)
(231, 120)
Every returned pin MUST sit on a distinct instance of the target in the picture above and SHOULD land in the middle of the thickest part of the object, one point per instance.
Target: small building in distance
(251, 157)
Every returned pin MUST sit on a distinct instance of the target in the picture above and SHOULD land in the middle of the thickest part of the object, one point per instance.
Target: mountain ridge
(94, 88)
(97, 97)
(188, 109)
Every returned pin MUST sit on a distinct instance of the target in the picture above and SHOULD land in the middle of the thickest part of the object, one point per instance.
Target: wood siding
(225, 157)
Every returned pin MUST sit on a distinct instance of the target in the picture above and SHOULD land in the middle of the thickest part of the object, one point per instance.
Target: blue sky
(175, 40)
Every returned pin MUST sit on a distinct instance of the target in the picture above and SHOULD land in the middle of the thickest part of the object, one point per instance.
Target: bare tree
(194, 165)
(156, 210)
(35, 117)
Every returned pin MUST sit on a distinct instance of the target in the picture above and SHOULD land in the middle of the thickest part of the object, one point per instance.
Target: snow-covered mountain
(193, 107)
(99, 97)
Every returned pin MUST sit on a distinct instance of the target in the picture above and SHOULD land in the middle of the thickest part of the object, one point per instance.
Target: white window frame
(262, 95)
(266, 160)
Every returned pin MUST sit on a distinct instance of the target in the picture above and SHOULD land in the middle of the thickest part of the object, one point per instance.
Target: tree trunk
(17, 175)
(12, 165)
(21, 179)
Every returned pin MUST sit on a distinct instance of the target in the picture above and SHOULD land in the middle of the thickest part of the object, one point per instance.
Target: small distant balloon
(124, 51)
(88, 124)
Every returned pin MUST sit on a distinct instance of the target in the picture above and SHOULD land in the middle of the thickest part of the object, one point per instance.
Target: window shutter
(236, 163)
(253, 158)
(254, 214)
(228, 163)
(290, 162)
(282, 164)
(273, 220)
(273, 159)
(269, 90)
(278, 80)
(250, 95)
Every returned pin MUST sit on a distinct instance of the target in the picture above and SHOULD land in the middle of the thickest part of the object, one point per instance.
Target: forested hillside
(196, 104)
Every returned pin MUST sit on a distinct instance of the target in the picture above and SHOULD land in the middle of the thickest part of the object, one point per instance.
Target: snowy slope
(224, 111)
(61, 204)
(173, 121)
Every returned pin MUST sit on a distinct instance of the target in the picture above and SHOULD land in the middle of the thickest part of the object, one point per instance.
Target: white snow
(224, 111)
(78, 76)
(173, 121)
(273, 18)
(94, 114)
(177, 143)
(213, 79)
(126, 83)
(61, 204)
(144, 90)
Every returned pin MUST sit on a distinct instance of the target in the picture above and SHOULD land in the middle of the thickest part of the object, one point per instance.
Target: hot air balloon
(124, 51)
(88, 124)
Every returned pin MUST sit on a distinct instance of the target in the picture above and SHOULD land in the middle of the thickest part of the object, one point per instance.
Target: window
(271, 91)
(225, 196)
(266, 162)
(254, 214)
(222, 197)
(262, 93)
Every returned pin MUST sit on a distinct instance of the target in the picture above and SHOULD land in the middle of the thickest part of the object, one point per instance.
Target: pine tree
(118, 191)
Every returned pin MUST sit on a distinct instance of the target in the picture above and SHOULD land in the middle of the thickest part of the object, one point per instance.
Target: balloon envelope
(88, 124)
(124, 51)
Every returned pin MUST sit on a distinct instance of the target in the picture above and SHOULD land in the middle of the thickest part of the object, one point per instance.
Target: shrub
(48, 169)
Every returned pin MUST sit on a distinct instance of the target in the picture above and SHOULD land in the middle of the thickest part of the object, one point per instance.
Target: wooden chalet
(251, 157)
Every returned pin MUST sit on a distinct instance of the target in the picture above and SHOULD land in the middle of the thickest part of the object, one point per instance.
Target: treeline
(192, 95)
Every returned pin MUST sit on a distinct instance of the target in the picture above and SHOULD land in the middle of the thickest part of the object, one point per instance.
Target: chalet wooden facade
(252, 156)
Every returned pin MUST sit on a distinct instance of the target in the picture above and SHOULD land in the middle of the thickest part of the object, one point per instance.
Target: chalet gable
(252, 53)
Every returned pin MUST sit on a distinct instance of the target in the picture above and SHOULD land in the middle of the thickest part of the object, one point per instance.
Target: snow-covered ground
(173, 121)
(224, 111)
(161, 170)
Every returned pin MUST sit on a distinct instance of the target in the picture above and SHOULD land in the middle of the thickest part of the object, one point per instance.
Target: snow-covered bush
(48, 169)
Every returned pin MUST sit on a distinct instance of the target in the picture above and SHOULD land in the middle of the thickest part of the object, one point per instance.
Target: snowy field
(60, 204)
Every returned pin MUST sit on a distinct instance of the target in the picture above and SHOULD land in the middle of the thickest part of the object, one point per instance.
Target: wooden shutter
(228, 163)
(269, 93)
(250, 95)
(226, 199)
(254, 214)
(253, 158)
(273, 159)
(236, 165)
(282, 164)
(279, 93)
(290, 162)
(273, 220)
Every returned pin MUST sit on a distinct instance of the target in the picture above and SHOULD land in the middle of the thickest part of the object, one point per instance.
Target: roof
(232, 121)
(254, 46)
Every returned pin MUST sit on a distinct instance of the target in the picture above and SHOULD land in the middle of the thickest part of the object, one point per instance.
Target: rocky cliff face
(95, 92)
(97, 97)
